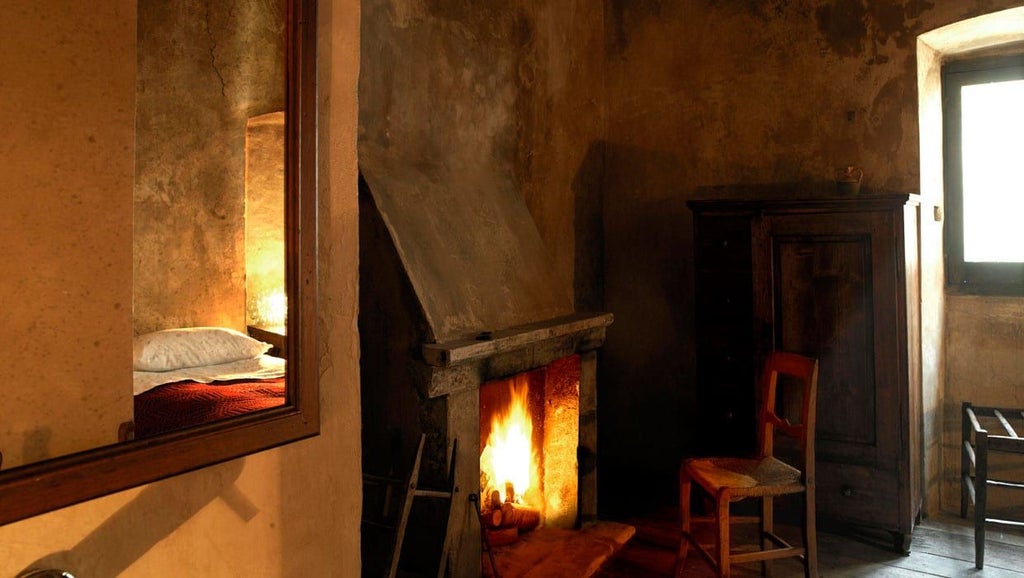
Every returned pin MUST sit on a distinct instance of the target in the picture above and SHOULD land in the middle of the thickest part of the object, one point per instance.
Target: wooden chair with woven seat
(765, 477)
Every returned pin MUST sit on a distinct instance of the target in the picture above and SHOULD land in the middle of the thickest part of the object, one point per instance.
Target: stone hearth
(557, 552)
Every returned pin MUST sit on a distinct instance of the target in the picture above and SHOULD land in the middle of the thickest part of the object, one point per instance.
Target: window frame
(971, 278)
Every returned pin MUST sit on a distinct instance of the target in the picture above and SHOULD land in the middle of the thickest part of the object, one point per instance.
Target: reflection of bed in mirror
(206, 374)
(190, 376)
(184, 404)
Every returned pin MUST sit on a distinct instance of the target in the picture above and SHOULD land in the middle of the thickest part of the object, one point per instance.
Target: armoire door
(825, 285)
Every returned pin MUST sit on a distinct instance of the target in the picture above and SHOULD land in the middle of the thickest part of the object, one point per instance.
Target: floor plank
(942, 547)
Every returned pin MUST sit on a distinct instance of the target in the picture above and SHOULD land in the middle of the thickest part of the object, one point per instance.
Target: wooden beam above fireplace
(490, 344)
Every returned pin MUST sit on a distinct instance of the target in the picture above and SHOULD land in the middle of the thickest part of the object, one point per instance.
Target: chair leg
(979, 538)
(767, 526)
(810, 534)
(980, 498)
(722, 523)
(684, 515)
(965, 459)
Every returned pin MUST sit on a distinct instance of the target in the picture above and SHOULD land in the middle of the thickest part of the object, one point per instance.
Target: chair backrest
(805, 371)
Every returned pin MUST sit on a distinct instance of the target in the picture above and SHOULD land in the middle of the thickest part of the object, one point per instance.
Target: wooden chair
(729, 479)
(974, 487)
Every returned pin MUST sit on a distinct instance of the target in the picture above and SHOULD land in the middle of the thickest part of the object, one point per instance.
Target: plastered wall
(293, 511)
(982, 335)
(984, 365)
(560, 120)
(264, 218)
(697, 93)
(496, 96)
(610, 122)
(65, 224)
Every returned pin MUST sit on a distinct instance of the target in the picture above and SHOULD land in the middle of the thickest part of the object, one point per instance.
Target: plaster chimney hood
(473, 256)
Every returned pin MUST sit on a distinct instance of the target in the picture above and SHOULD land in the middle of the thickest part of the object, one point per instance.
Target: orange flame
(508, 460)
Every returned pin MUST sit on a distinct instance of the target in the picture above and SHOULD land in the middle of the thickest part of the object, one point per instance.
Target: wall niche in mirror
(138, 213)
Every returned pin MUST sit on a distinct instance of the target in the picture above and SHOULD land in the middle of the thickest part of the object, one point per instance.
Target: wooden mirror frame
(48, 485)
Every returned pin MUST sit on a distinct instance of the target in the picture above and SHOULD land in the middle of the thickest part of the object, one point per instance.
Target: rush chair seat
(729, 479)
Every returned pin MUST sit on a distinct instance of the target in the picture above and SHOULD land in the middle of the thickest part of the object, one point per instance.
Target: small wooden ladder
(412, 491)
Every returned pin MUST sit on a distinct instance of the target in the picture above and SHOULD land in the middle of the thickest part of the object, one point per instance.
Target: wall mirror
(160, 174)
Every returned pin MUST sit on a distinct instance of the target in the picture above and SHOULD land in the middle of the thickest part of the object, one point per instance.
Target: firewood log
(518, 516)
(494, 502)
(494, 519)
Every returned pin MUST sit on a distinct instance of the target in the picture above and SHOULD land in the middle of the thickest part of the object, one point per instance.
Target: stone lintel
(490, 344)
(437, 380)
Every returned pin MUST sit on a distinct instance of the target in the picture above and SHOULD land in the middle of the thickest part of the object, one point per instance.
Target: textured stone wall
(710, 93)
(204, 68)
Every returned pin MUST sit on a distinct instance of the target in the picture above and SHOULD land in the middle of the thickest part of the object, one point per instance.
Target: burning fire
(529, 437)
(508, 462)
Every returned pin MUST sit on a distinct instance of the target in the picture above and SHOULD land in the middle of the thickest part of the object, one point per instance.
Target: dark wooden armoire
(833, 277)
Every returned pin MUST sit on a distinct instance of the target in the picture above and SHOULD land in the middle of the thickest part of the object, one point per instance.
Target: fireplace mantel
(458, 365)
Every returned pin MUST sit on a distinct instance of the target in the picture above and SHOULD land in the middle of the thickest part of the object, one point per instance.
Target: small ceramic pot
(848, 180)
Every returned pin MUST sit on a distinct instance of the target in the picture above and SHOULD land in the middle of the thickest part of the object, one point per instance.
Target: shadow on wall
(135, 528)
(645, 392)
(588, 230)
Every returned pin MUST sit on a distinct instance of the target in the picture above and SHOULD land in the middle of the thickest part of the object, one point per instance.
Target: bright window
(992, 121)
(984, 139)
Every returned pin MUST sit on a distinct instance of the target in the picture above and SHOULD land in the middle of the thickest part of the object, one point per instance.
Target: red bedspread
(186, 403)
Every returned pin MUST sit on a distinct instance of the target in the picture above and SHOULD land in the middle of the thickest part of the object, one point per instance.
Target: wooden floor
(942, 546)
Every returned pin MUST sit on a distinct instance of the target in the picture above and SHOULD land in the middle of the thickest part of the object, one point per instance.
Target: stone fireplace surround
(456, 370)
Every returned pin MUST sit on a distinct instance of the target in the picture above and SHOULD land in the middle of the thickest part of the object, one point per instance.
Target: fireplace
(553, 366)
(531, 489)
(529, 435)
(460, 309)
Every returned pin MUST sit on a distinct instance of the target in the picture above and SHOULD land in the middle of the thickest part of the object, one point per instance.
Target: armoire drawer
(724, 299)
(858, 494)
(725, 239)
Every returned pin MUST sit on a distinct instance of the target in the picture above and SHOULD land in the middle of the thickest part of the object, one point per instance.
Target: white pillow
(173, 349)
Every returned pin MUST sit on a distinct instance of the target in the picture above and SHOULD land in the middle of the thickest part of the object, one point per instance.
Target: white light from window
(992, 117)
